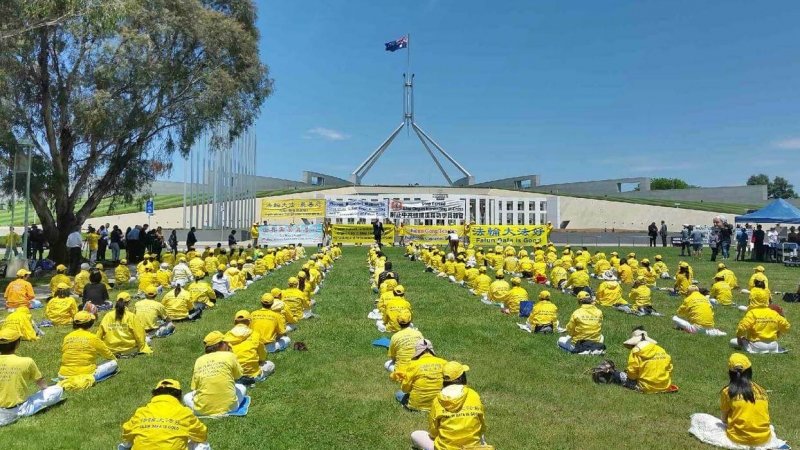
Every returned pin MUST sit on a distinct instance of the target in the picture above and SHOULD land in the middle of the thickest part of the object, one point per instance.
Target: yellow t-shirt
(59, 278)
(123, 336)
(651, 366)
(178, 306)
(92, 239)
(163, 424)
(60, 310)
(456, 419)
(246, 345)
(762, 324)
(268, 324)
(585, 324)
(20, 320)
(15, 373)
(150, 312)
(121, 274)
(18, 293)
(516, 295)
(544, 313)
(641, 296)
(392, 310)
(498, 291)
(402, 347)
(214, 380)
(721, 291)
(610, 294)
(79, 352)
(697, 310)
(422, 380)
(748, 423)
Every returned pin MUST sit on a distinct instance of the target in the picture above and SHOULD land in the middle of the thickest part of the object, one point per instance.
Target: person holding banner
(377, 231)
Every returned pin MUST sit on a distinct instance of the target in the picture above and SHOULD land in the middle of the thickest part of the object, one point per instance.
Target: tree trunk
(57, 236)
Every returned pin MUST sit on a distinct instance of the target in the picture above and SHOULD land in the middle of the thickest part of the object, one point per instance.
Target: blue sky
(706, 91)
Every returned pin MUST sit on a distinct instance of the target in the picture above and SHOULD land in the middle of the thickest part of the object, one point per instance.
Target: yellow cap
(756, 268)
(482, 269)
(614, 254)
(516, 281)
(221, 267)
(242, 315)
(301, 274)
(453, 370)
(22, 272)
(83, 317)
(399, 289)
(658, 258)
(182, 259)
(241, 261)
(499, 274)
(146, 255)
(213, 338)
(123, 261)
(99, 266)
(720, 266)
(404, 316)
(579, 266)
(61, 268)
(683, 264)
(544, 295)
(267, 299)
(62, 286)
(583, 295)
(124, 296)
(293, 281)
(9, 335)
(151, 291)
(645, 261)
(169, 383)
(738, 361)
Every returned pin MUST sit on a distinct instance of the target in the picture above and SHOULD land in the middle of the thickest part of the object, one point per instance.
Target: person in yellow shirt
(250, 352)
(584, 329)
(164, 276)
(92, 240)
(759, 295)
(402, 345)
(481, 284)
(421, 380)
(122, 274)
(392, 309)
(647, 272)
(721, 293)
(21, 321)
(758, 274)
(510, 261)
(601, 266)
(683, 280)
(181, 273)
(744, 405)
(270, 325)
(660, 268)
(544, 317)
(214, 388)
(641, 298)
(197, 266)
(15, 374)
(294, 298)
(236, 283)
(121, 331)
(499, 288)
(60, 277)
(609, 294)
(696, 315)
(179, 305)
(80, 350)
(20, 292)
(625, 272)
(614, 260)
(578, 280)
(470, 275)
(558, 275)
(62, 307)
(254, 234)
(728, 275)
(153, 315)
(515, 296)
(759, 331)
(456, 419)
(649, 369)
(12, 243)
(178, 427)
(147, 279)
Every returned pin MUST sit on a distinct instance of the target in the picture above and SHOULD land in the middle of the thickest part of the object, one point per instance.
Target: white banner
(356, 208)
(428, 209)
(277, 235)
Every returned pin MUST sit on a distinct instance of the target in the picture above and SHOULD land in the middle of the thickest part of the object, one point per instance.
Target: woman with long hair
(121, 331)
(744, 422)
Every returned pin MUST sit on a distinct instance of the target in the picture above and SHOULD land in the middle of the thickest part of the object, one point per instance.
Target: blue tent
(779, 211)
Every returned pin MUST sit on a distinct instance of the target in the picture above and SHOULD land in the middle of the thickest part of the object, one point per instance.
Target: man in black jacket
(377, 231)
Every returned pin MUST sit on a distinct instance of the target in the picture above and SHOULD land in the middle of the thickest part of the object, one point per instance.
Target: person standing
(652, 233)
(232, 240)
(663, 232)
(36, 238)
(115, 242)
(254, 234)
(74, 244)
(103, 243)
(190, 238)
(772, 242)
(377, 231)
(685, 248)
(713, 239)
(741, 243)
(173, 242)
(93, 243)
(758, 243)
(132, 244)
(12, 242)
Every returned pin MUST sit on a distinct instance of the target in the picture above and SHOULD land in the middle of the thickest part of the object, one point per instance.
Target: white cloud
(326, 134)
(788, 144)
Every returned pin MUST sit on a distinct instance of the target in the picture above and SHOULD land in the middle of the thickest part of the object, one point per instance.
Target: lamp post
(27, 142)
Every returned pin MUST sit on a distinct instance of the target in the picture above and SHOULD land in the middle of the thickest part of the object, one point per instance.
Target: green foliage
(337, 394)
(758, 180)
(663, 184)
(779, 187)
(110, 89)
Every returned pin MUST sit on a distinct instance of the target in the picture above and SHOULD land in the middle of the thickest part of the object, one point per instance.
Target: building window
(509, 218)
(509, 206)
(351, 220)
(542, 218)
(520, 218)
(520, 206)
(542, 206)
(532, 206)
(532, 219)
(523, 184)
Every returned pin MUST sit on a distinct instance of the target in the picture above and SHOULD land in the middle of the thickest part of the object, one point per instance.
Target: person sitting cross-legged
(456, 419)
(402, 345)
(270, 325)
(421, 380)
(250, 352)
(759, 330)
(544, 317)
(584, 329)
(695, 314)
(79, 352)
(215, 391)
(649, 367)
(15, 374)
(177, 426)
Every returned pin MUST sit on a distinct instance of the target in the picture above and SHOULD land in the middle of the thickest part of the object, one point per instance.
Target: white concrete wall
(598, 214)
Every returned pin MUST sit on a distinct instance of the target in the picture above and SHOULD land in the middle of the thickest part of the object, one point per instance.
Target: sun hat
(638, 336)
(422, 346)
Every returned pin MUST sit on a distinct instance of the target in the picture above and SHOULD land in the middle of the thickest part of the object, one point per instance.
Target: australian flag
(397, 45)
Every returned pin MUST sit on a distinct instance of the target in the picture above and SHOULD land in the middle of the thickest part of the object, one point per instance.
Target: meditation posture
(79, 352)
(215, 391)
(421, 380)
(759, 331)
(584, 329)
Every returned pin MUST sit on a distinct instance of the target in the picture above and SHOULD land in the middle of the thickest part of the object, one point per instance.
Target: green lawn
(337, 395)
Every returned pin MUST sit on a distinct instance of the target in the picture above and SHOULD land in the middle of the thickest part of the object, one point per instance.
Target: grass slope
(337, 394)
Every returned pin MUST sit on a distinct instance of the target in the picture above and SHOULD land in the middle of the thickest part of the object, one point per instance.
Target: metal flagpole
(203, 182)
(185, 171)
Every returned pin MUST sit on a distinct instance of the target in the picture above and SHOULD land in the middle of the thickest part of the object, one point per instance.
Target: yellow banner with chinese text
(427, 234)
(292, 208)
(517, 235)
(360, 234)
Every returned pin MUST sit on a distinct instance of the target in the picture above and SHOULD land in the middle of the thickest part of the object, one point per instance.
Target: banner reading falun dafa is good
(360, 233)
(508, 234)
(292, 208)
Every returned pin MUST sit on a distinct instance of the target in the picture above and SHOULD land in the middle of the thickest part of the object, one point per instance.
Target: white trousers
(389, 365)
(420, 439)
(279, 345)
(758, 347)
(381, 326)
(241, 390)
(35, 403)
(711, 430)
